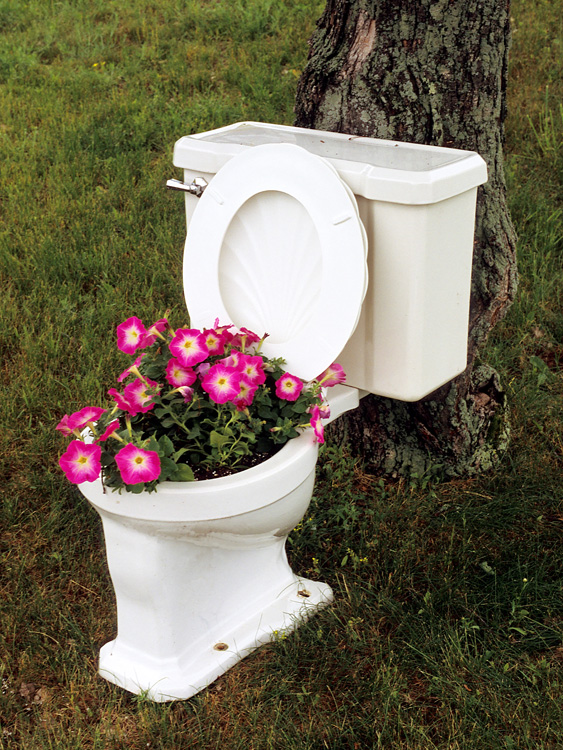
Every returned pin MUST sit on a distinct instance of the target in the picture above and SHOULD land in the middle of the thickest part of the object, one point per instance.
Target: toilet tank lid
(391, 171)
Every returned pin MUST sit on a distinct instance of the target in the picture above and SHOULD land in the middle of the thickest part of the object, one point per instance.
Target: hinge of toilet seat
(196, 187)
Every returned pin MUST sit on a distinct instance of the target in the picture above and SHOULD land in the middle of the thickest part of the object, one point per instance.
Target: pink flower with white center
(130, 334)
(252, 368)
(246, 394)
(79, 419)
(215, 341)
(81, 462)
(153, 333)
(140, 393)
(121, 402)
(317, 425)
(289, 387)
(221, 383)
(137, 465)
(188, 346)
(129, 370)
(108, 432)
(177, 374)
(333, 375)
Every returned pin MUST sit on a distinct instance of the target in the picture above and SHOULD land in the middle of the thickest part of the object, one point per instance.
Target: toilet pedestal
(180, 626)
(200, 572)
(180, 676)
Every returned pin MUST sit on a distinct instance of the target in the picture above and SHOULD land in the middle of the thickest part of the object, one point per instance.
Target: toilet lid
(276, 245)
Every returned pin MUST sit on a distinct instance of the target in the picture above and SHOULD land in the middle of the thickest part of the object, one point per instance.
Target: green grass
(446, 631)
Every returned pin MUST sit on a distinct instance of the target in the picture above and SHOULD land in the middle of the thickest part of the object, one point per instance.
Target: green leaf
(167, 468)
(218, 440)
(161, 412)
(166, 445)
(136, 489)
(153, 444)
(195, 432)
(183, 473)
(106, 459)
(299, 407)
(179, 453)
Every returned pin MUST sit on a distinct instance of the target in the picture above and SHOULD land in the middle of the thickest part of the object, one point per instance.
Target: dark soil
(247, 462)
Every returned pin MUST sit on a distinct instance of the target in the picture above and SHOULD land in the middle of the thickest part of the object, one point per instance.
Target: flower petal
(81, 462)
(221, 383)
(137, 465)
(130, 334)
(289, 387)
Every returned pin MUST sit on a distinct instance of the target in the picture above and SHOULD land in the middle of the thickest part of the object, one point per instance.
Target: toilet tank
(417, 204)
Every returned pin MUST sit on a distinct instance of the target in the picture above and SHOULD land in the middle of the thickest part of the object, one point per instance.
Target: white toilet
(290, 226)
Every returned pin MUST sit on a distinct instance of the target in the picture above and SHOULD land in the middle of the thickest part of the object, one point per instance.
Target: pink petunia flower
(215, 341)
(108, 432)
(324, 411)
(203, 368)
(130, 334)
(316, 424)
(140, 393)
(245, 338)
(153, 333)
(221, 383)
(129, 370)
(189, 347)
(79, 419)
(289, 387)
(81, 462)
(233, 360)
(137, 465)
(177, 374)
(333, 375)
(121, 402)
(246, 394)
(65, 426)
(252, 368)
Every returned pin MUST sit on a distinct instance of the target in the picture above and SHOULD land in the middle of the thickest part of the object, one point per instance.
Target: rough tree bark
(434, 72)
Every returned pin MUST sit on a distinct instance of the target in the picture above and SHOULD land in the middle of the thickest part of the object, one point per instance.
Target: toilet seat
(276, 245)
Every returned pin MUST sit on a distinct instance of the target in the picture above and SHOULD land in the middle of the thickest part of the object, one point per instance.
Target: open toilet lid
(276, 245)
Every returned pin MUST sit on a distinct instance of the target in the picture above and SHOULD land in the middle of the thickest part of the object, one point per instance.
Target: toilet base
(200, 664)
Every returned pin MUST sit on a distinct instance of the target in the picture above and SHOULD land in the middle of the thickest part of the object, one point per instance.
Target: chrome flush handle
(196, 187)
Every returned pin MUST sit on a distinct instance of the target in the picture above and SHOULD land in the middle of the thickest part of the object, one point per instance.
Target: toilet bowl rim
(211, 499)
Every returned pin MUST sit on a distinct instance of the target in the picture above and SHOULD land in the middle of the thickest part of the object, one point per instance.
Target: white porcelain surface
(376, 169)
(200, 572)
(276, 244)
(417, 204)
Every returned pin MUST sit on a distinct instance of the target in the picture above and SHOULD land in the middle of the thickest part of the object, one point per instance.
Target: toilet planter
(195, 540)
(200, 572)
(340, 248)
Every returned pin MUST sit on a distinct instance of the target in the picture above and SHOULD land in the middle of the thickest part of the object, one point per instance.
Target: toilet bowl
(200, 570)
(277, 244)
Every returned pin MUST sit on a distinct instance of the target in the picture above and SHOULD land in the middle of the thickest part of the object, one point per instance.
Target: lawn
(447, 630)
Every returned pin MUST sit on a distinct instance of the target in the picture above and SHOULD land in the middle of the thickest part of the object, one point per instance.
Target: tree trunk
(434, 72)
